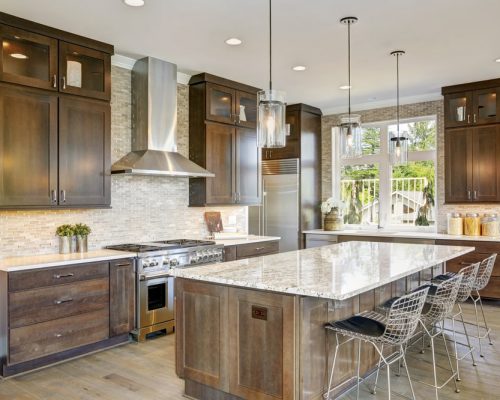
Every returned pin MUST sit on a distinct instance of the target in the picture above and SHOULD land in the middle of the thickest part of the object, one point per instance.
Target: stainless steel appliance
(155, 288)
(279, 215)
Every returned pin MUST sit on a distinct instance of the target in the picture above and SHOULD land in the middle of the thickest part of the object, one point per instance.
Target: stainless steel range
(155, 288)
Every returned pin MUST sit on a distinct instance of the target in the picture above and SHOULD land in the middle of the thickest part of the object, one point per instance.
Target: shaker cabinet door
(28, 147)
(486, 163)
(84, 152)
(121, 297)
(247, 167)
(458, 109)
(486, 103)
(220, 104)
(458, 165)
(246, 109)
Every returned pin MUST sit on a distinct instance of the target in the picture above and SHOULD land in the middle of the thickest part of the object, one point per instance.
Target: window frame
(385, 171)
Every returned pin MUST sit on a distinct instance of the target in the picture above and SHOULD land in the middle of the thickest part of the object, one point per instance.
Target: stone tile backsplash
(143, 208)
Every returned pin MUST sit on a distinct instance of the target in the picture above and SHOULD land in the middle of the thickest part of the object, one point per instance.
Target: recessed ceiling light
(345, 87)
(299, 68)
(19, 56)
(233, 41)
(134, 3)
(497, 60)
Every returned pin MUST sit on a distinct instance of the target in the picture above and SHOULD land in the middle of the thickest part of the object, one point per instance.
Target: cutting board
(213, 221)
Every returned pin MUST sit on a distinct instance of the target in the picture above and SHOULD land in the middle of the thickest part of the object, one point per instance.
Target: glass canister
(490, 225)
(472, 224)
(455, 224)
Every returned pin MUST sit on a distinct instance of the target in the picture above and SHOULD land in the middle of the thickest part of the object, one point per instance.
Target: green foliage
(65, 230)
(81, 230)
(422, 135)
(370, 142)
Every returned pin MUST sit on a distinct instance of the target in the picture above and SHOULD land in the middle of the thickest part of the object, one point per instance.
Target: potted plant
(65, 233)
(81, 232)
(333, 214)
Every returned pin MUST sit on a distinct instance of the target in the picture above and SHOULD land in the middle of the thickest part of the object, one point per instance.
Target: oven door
(156, 300)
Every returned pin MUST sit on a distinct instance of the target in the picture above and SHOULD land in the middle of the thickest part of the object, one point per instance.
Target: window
(377, 193)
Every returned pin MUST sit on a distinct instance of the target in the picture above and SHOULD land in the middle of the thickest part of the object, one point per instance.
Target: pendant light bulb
(398, 144)
(271, 110)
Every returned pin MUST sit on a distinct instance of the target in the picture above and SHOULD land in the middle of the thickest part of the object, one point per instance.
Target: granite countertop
(338, 271)
(403, 234)
(12, 264)
(246, 239)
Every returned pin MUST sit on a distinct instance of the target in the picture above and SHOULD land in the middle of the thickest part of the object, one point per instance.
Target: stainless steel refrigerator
(279, 214)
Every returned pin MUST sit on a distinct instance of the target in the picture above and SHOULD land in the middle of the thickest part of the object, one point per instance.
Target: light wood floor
(146, 372)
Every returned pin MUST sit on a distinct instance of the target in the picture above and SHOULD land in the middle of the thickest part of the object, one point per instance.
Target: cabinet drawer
(39, 305)
(492, 291)
(256, 249)
(31, 279)
(38, 340)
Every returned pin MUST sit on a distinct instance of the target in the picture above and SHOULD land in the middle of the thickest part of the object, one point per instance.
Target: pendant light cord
(349, 65)
(270, 47)
(397, 89)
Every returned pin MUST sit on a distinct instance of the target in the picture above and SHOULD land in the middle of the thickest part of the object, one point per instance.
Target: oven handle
(162, 275)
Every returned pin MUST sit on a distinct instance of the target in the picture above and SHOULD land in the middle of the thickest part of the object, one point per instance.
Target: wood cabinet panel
(30, 279)
(28, 147)
(458, 165)
(121, 297)
(33, 306)
(256, 249)
(229, 253)
(38, 340)
(261, 344)
(84, 152)
(202, 333)
(247, 172)
(486, 163)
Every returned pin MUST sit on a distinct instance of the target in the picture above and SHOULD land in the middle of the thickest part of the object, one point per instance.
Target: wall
(386, 114)
(143, 208)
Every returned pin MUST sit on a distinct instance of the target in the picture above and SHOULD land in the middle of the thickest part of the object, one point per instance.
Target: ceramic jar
(333, 221)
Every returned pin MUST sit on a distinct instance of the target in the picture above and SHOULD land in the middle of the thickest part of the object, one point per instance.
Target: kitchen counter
(335, 272)
(11, 264)
(410, 234)
(246, 240)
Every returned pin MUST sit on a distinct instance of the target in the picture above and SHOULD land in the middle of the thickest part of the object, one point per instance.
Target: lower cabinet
(51, 314)
(237, 341)
(249, 250)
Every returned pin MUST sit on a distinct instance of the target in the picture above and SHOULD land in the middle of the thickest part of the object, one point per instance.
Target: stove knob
(166, 261)
(174, 262)
(145, 264)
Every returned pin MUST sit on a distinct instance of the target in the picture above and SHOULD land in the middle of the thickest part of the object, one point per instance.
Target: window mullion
(385, 177)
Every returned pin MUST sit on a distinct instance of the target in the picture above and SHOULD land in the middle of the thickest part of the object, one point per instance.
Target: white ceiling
(447, 41)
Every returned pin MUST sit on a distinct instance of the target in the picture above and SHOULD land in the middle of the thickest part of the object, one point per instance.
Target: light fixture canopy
(398, 143)
(134, 3)
(271, 110)
(350, 124)
(19, 56)
(233, 41)
(299, 68)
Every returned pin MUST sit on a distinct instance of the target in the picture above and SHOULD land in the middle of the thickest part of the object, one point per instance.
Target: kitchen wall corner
(143, 208)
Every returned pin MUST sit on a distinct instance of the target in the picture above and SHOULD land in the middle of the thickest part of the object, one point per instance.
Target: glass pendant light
(271, 112)
(350, 124)
(398, 144)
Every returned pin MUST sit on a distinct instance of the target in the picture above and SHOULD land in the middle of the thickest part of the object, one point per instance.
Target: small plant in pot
(82, 232)
(65, 233)
(333, 214)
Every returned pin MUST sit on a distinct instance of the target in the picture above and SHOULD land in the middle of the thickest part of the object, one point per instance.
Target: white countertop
(11, 264)
(402, 234)
(338, 271)
(246, 239)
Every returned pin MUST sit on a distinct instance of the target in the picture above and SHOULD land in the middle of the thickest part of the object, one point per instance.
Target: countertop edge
(249, 240)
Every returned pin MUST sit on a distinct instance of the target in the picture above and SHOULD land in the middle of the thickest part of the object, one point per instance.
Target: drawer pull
(62, 301)
(58, 335)
(259, 248)
(122, 265)
(59, 276)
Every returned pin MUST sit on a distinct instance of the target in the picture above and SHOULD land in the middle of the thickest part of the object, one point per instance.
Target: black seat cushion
(359, 324)
(432, 288)
(444, 277)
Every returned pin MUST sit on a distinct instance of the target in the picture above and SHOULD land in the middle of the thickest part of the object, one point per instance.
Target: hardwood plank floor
(146, 371)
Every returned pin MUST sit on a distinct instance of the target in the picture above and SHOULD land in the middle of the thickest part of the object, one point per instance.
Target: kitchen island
(254, 328)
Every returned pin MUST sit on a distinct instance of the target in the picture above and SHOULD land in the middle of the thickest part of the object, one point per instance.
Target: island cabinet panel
(202, 333)
(121, 297)
(261, 344)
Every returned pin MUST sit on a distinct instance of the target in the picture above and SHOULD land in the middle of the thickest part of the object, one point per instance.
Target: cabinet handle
(64, 82)
(239, 197)
(475, 194)
(468, 118)
(259, 248)
(59, 276)
(270, 153)
(54, 81)
(62, 301)
(122, 265)
(58, 335)
(475, 118)
(469, 195)
(53, 196)
(63, 196)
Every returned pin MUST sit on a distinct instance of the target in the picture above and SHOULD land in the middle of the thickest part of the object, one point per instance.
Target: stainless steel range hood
(154, 123)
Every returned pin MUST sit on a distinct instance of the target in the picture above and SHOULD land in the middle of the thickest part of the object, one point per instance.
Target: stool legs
(407, 372)
(359, 365)
(484, 319)
(467, 336)
(333, 366)
(478, 330)
(374, 390)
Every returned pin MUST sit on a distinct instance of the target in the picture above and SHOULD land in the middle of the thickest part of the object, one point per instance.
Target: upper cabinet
(472, 142)
(223, 139)
(60, 155)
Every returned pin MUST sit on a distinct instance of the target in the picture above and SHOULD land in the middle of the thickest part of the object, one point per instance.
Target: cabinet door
(458, 109)
(246, 109)
(220, 104)
(121, 297)
(28, 147)
(84, 71)
(221, 161)
(458, 165)
(28, 59)
(247, 167)
(486, 106)
(84, 152)
(486, 163)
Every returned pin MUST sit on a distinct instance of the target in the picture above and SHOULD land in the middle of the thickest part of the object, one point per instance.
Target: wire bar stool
(379, 330)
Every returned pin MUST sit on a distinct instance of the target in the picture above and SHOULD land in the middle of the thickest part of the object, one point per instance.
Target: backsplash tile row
(143, 208)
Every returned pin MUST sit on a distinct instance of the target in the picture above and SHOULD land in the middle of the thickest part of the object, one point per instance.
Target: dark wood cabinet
(472, 142)
(121, 297)
(249, 250)
(223, 139)
(84, 152)
(28, 147)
